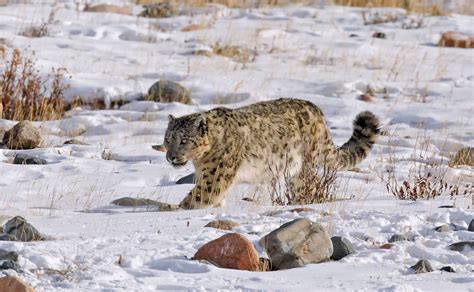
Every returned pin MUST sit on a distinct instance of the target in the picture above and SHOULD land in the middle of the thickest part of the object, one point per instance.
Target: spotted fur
(228, 146)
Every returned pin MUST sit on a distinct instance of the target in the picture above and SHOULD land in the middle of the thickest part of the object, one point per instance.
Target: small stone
(446, 206)
(10, 265)
(14, 284)
(365, 97)
(379, 35)
(422, 266)
(296, 244)
(462, 246)
(342, 247)
(448, 269)
(189, 179)
(222, 224)
(300, 210)
(387, 246)
(135, 202)
(442, 228)
(22, 158)
(230, 251)
(74, 142)
(22, 136)
(8, 255)
(21, 230)
(167, 91)
(398, 237)
(471, 226)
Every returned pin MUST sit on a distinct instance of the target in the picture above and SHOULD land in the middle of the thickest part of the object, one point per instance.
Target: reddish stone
(454, 39)
(231, 251)
(14, 284)
(387, 246)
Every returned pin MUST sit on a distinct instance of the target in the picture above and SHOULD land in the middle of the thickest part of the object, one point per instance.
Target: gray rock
(398, 237)
(471, 226)
(8, 255)
(22, 136)
(342, 247)
(189, 179)
(135, 202)
(21, 230)
(462, 246)
(443, 228)
(74, 142)
(167, 91)
(10, 265)
(22, 158)
(7, 237)
(448, 269)
(296, 244)
(422, 266)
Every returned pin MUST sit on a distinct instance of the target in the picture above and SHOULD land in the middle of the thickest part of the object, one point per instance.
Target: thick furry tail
(366, 130)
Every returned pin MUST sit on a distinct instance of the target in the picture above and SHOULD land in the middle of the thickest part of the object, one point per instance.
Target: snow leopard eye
(183, 141)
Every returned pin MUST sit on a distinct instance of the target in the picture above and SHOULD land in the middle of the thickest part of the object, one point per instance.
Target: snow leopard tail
(366, 130)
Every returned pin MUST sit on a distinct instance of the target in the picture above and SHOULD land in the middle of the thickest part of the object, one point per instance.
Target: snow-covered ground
(424, 98)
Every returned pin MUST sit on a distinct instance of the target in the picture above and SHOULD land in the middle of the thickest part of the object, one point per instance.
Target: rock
(108, 8)
(387, 246)
(464, 156)
(471, 226)
(231, 251)
(7, 237)
(135, 202)
(446, 206)
(158, 10)
(22, 136)
(398, 237)
(422, 266)
(8, 255)
(167, 91)
(365, 97)
(442, 228)
(222, 224)
(342, 247)
(297, 243)
(462, 246)
(379, 35)
(455, 39)
(14, 284)
(160, 148)
(21, 230)
(10, 265)
(448, 269)
(189, 179)
(74, 142)
(22, 158)
(300, 210)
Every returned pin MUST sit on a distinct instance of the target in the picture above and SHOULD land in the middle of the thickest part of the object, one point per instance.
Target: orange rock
(387, 246)
(108, 8)
(193, 27)
(454, 39)
(231, 251)
(14, 284)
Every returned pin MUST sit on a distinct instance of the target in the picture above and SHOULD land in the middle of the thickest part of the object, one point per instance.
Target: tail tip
(368, 123)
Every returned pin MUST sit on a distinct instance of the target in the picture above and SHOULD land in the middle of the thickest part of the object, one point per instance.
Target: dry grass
(229, 3)
(416, 6)
(24, 94)
(41, 30)
(236, 53)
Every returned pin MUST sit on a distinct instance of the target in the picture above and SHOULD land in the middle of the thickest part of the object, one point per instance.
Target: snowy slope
(327, 56)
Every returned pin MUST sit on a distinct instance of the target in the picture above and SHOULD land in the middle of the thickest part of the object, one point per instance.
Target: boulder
(222, 224)
(462, 246)
(231, 251)
(465, 156)
(8, 255)
(397, 237)
(158, 10)
(296, 244)
(22, 136)
(342, 247)
(455, 39)
(167, 91)
(21, 230)
(108, 8)
(189, 179)
(422, 266)
(22, 158)
(448, 269)
(14, 284)
(471, 226)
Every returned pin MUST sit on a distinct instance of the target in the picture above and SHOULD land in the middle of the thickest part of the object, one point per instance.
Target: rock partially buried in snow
(20, 230)
(14, 284)
(387, 246)
(398, 237)
(471, 226)
(8, 255)
(189, 179)
(342, 247)
(22, 158)
(462, 246)
(135, 202)
(455, 39)
(422, 266)
(74, 142)
(222, 224)
(22, 136)
(231, 251)
(167, 91)
(448, 269)
(296, 244)
(442, 228)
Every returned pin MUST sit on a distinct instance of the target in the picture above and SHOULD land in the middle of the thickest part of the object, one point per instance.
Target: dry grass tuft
(415, 6)
(25, 95)
(42, 29)
(236, 53)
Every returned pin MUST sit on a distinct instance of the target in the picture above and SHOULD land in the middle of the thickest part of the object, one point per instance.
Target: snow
(303, 52)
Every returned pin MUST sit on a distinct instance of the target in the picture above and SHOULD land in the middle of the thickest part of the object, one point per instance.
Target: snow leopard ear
(171, 118)
(201, 125)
